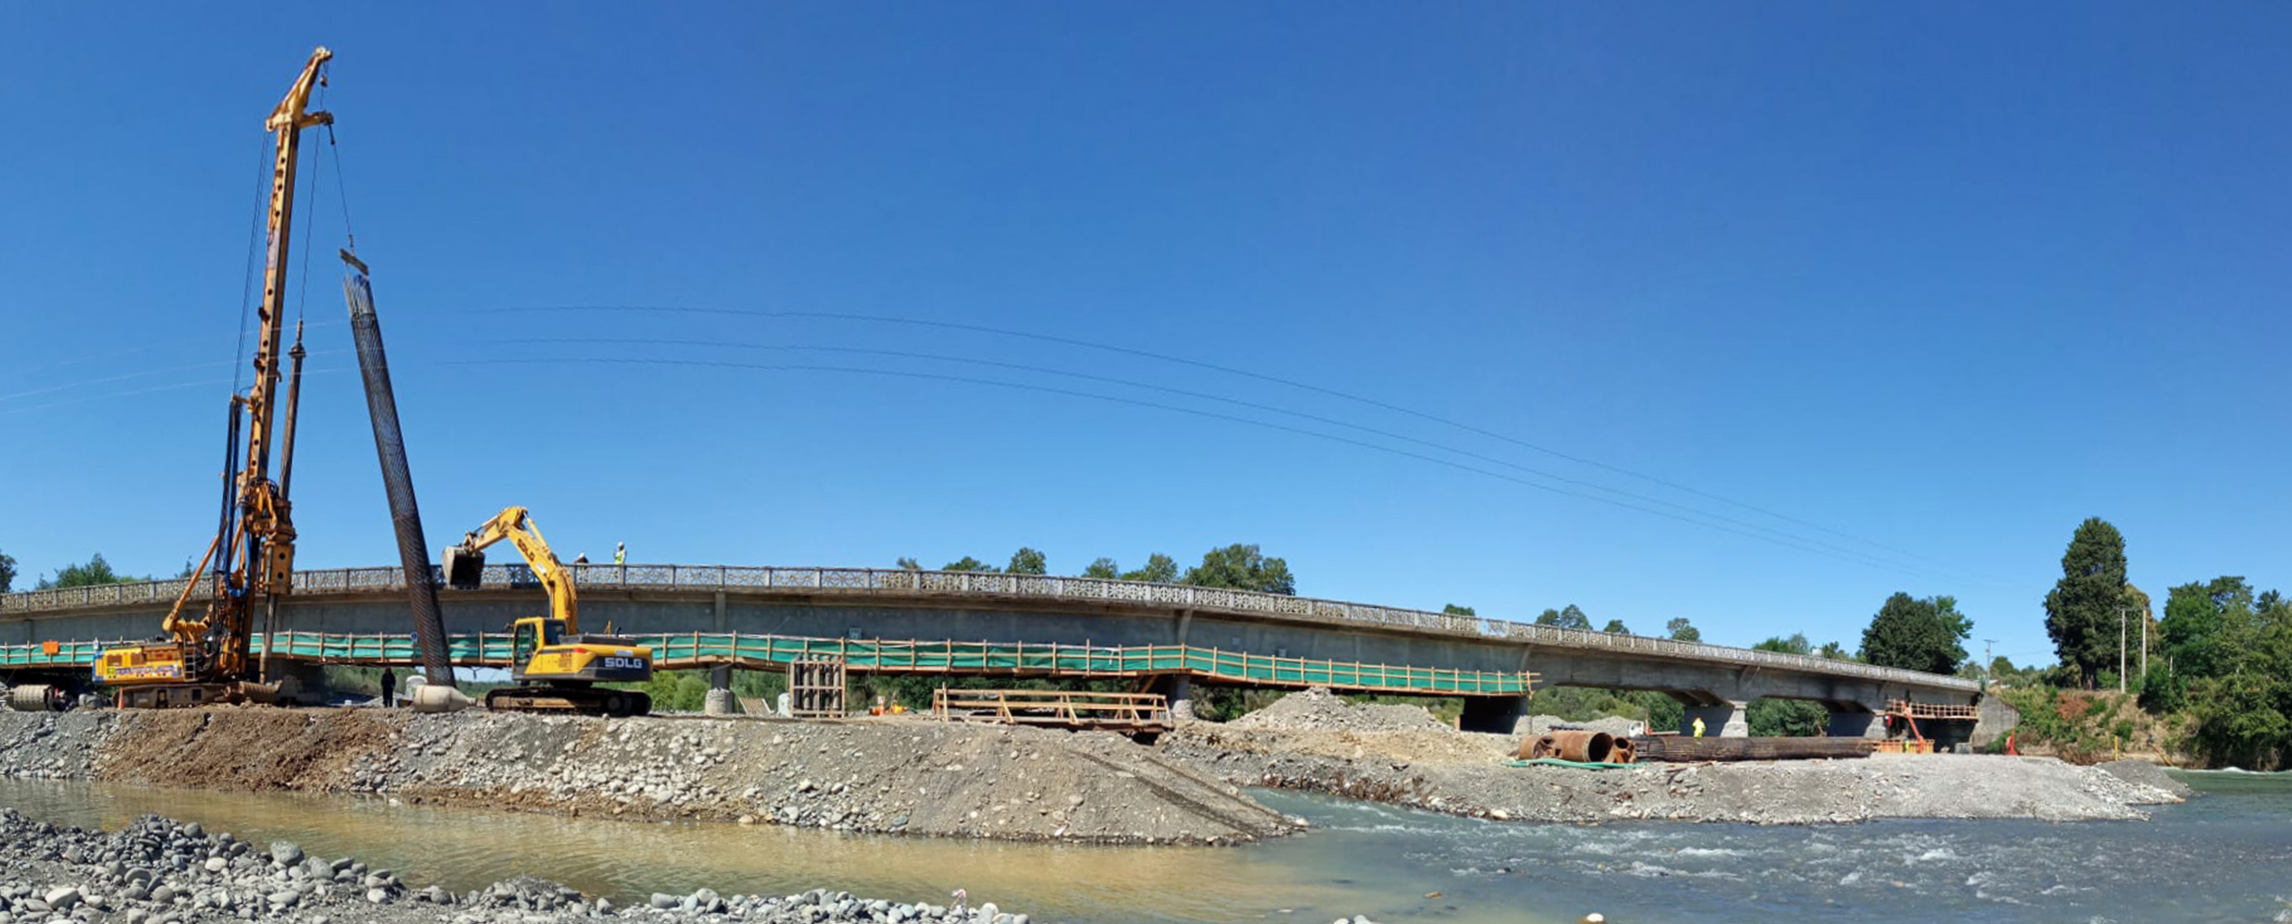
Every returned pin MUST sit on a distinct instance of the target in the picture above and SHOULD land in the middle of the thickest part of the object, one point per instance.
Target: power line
(930, 376)
(1023, 367)
(143, 373)
(1229, 370)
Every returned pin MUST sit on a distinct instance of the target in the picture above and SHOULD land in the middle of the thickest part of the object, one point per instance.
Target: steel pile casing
(1685, 749)
(398, 479)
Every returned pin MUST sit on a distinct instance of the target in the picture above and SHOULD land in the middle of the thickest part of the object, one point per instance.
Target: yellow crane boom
(209, 657)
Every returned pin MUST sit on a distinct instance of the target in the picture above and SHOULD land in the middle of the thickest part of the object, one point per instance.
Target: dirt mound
(905, 776)
(1317, 709)
(243, 748)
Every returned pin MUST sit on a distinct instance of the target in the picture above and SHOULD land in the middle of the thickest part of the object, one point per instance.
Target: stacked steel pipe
(1684, 749)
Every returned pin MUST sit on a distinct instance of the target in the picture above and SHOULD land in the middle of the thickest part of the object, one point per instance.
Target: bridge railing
(904, 582)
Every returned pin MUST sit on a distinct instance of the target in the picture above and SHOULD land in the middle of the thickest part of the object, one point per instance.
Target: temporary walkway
(775, 652)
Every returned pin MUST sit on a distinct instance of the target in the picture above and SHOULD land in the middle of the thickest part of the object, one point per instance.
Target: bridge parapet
(862, 583)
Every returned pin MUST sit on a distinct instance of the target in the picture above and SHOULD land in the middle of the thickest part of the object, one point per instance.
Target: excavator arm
(465, 562)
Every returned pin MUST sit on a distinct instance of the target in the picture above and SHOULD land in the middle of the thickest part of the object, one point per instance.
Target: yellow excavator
(556, 668)
(209, 658)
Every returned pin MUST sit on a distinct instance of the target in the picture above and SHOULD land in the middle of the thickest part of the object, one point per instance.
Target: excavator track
(569, 700)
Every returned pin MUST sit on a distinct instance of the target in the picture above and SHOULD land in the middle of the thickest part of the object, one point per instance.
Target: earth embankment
(906, 776)
(1316, 742)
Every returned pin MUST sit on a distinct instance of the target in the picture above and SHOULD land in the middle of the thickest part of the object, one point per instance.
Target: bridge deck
(774, 652)
(870, 585)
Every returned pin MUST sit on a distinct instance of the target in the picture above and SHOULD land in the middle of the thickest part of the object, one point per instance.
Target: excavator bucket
(463, 567)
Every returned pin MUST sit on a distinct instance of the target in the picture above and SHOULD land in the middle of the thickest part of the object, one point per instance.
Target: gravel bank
(158, 871)
(902, 776)
(1317, 747)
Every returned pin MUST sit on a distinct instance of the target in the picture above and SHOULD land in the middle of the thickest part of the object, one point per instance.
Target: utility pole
(2144, 648)
(2120, 649)
(1987, 679)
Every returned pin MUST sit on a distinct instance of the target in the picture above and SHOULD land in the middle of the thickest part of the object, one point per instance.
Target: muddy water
(2221, 857)
(463, 849)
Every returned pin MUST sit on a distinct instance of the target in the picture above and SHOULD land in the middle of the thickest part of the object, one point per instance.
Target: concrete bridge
(1716, 683)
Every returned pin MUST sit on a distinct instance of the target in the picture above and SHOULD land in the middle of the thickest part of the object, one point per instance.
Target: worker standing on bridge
(1698, 726)
(620, 553)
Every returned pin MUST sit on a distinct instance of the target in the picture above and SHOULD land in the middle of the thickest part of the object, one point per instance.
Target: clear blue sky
(1947, 280)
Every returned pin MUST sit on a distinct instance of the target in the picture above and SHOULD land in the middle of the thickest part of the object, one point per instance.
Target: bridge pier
(1723, 719)
(1493, 714)
(719, 700)
(1854, 720)
(1179, 688)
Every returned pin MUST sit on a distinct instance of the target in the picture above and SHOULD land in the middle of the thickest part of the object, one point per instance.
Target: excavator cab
(531, 636)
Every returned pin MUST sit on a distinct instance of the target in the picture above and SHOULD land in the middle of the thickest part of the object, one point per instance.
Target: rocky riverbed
(1317, 742)
(158, 871)
(895, 776)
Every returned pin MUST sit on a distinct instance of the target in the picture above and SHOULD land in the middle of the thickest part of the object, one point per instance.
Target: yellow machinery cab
(540, 650)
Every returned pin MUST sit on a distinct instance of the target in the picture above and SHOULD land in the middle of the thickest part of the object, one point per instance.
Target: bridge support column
(1180, 690)
(719, 701)
(1723, 719)
(1854, 720)
(1492, 714)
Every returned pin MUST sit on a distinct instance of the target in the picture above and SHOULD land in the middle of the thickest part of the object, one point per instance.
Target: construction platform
(1130, 713)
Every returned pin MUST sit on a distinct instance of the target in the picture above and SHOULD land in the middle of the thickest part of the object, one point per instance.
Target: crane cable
(247, 287)
(341, 184)
(310, 209)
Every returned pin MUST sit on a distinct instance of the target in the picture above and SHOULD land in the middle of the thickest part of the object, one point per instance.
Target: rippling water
(2224, 857)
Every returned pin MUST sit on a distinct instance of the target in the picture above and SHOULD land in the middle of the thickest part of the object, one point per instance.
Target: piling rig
(209, 658)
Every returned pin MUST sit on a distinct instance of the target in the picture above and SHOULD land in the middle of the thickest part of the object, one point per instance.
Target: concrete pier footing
(1723, 719)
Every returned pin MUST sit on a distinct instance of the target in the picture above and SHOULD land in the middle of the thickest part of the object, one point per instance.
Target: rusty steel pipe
(1537, 747)
(1588, 747)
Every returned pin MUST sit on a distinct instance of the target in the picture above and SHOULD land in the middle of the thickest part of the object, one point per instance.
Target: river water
(2226, 856)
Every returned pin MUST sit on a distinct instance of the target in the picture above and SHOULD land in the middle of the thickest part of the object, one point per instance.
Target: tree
(1242, 567)
(1797, 644)
(1452, 609)
(7, 572)
(94, 571)
(909, 564)
(1835, 652)
(1921, 635)
(1681, 631)
(2195, 615)
(1160, 569)
(1102, 568)
(1794, 718)
(2081, 612)
(1616, 627)
(1027, 561)
(1568, 618)
(967, 563)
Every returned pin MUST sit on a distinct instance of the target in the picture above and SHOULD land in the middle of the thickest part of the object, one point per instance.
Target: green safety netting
(700, 649)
